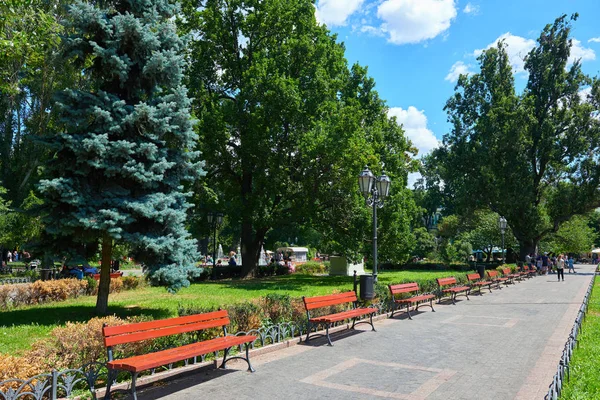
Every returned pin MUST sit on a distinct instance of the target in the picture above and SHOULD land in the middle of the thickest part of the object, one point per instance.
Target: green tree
(30, 72)
(574, 236)
(425, 242)
(482, 231)
(526, 156)
(120, 160)
(594, 223)
(285, 126)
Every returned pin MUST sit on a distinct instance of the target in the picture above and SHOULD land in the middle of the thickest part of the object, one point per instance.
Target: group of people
(546, 264)
(16, 255)
(232, 262)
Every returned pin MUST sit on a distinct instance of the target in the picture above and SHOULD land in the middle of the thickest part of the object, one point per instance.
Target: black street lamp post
(375, 190)
(502, 226)
(214, 219)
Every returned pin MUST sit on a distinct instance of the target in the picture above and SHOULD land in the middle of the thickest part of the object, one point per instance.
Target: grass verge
(584, 382)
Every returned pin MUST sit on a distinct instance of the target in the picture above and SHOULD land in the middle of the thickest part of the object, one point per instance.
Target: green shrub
(132, 282)
(311, 268)
(245, 316)
(266, 270)
(277, 307)
(92, 285)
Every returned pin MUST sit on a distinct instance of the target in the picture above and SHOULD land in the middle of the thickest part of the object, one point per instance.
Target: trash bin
(367, 291)
(45, 274)
(481, 270)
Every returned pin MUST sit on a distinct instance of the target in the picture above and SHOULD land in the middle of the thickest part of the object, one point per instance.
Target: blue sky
(415, 48)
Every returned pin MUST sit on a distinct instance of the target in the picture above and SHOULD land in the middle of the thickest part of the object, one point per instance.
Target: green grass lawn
(585, 381)
(20, 327)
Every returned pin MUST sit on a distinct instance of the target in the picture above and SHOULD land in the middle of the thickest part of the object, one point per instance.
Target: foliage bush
(311, 267)
(132, 282)
(69, 346)
(40, 292)
(92, 285)
(12, 367)
(277, 307)
(76, 344)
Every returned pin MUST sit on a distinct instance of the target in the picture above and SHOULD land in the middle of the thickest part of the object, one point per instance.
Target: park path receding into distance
(500, 345)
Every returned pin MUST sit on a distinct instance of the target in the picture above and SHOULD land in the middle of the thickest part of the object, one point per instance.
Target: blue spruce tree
(126, 146)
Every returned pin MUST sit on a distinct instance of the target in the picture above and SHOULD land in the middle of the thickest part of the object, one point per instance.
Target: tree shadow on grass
(290, 282)
(60, 314)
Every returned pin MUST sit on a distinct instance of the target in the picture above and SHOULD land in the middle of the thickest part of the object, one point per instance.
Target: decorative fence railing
(10, 281)
(70, 382)
(563, 370)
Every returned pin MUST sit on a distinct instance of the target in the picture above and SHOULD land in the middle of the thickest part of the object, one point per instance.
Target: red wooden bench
(531, 271)
(509, 275)
(113, 275)
(417, 299)
(311, 303)
(476, 281)
(449, 285)
(116, 335)
(494, 277)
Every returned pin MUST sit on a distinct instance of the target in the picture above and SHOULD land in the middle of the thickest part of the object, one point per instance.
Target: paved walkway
(501, 345)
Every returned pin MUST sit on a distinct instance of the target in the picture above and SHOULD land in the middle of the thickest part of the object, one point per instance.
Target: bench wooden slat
(446, 281)
(357, 312)
(156, 333)
(136, 332)
(415, 299)
(404, 288)
(157, 359)
(324, 301)
(163, 323)
(456, 289)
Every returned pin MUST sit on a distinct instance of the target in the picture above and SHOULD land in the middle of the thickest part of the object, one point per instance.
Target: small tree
(119, 163)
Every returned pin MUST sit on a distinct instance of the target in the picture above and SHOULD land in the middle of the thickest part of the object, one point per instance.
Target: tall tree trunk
(104, 286)
(526, 246)
(249, 251)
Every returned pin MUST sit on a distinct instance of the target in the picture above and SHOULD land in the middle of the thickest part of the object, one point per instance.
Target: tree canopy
(532, 157)
(285, 125)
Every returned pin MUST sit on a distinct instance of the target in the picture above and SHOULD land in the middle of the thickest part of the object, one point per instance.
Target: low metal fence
(563, 372)
(10, 281)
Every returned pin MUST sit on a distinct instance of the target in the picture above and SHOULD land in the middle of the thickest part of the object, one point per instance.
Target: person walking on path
(570, 263)
(560, 267)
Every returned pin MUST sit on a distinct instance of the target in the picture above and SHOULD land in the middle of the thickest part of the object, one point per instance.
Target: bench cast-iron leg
(224, 363)
(327, 333)
(247, 359)
(308, 332)
(408, 310)
(133, 381)
(112, 375)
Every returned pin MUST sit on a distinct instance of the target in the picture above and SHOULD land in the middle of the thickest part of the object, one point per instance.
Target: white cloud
(517, 48)
(594, 40)
(336, 12)
(413, 21)
(579, 52)
(413, 177)
(471, 9)
(414, 123)
(371, 30)
(459, 68)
